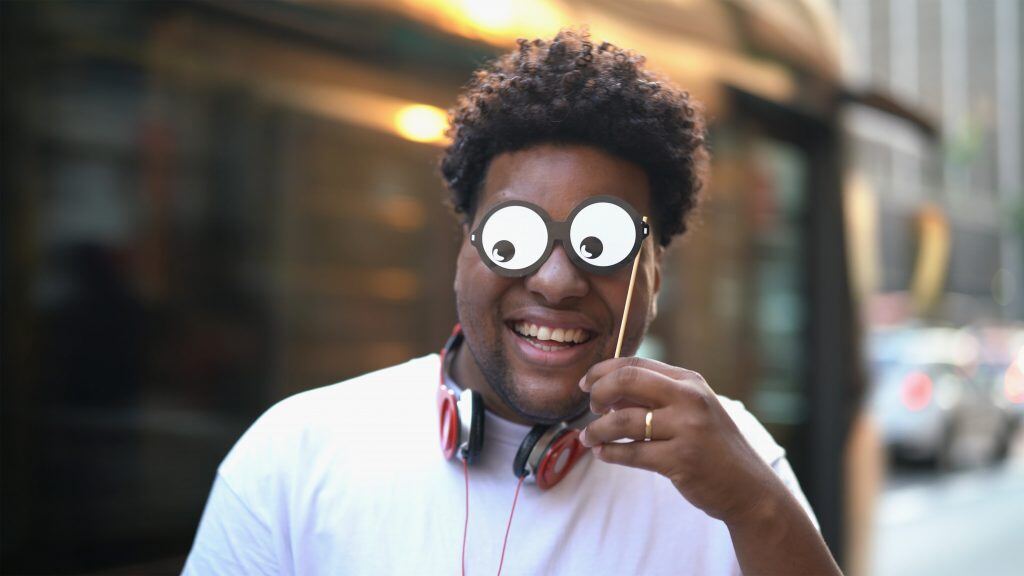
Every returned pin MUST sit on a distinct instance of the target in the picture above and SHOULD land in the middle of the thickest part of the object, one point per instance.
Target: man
(558, 151)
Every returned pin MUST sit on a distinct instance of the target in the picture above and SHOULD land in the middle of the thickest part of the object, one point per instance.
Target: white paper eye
(603, 234)
(514, 237)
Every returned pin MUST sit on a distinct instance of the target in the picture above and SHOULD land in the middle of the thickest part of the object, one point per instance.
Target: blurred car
(936, 412)
(1005, 382)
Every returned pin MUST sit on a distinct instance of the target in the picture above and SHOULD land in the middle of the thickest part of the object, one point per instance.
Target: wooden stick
(629, 298)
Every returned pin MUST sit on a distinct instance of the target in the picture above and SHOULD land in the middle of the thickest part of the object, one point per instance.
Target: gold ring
(648, 425)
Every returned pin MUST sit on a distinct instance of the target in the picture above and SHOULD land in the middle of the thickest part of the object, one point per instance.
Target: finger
(601, 369)
(626, 423)
(635, 386)
(647, 455)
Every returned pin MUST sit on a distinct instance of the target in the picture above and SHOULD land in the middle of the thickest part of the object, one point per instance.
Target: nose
(558, 279)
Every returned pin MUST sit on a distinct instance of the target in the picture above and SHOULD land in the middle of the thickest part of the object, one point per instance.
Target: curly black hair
(569, 91)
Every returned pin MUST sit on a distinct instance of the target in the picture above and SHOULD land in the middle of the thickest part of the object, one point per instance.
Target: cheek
(611, 291)
(477, 289)
(469, 270)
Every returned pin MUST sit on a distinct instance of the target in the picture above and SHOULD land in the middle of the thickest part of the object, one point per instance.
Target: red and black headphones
(547, 453)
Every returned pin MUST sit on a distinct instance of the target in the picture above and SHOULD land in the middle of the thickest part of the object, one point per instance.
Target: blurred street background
(210, 206)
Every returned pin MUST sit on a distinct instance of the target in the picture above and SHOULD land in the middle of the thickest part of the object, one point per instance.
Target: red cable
(465, 528)
(509, 527)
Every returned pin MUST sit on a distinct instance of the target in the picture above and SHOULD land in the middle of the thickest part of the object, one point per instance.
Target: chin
(544, 402)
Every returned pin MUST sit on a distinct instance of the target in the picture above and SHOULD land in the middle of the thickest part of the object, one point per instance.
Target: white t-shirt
(350, 479)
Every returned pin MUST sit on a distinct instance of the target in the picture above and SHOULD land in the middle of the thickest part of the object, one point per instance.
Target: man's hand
(694, 442)
(696, 445)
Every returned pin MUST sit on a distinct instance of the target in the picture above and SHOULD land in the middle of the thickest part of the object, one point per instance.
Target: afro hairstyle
(570, 91)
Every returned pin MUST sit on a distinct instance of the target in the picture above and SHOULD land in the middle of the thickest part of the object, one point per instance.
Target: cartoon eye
(503, 251)
(591, 247)
(514, 237)
(603, 234)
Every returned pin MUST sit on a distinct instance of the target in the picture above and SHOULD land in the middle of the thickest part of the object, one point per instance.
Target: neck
(468, 376)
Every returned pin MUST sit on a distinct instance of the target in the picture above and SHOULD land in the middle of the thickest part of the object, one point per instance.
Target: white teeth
(546, 333)
(545, 347)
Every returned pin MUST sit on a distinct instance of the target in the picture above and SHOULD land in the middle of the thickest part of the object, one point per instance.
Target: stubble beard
(494, 364)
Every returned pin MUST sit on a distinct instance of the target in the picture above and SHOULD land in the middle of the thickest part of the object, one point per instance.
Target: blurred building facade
(211, 206)
(935, 221)
(948, 212)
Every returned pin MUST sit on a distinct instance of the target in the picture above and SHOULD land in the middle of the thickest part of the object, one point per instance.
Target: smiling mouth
(550, 339)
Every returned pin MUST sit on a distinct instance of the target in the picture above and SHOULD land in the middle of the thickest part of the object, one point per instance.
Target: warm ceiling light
(490, 15)
(496, 21)
(421, 123)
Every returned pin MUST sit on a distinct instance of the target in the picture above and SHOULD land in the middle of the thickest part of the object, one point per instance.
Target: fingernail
(583, 381)
(583, 436)
(596, 450)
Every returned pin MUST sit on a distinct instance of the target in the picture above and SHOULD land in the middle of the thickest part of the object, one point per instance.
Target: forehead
(558, 177)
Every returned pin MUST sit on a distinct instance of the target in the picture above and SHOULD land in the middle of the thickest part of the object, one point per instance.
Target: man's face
(533, 379)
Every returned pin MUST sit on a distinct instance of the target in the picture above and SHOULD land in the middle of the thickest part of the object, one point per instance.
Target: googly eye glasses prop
(515, 238)
(601, 235)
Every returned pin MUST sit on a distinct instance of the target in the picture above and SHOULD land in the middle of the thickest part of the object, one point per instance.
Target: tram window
(739, 275)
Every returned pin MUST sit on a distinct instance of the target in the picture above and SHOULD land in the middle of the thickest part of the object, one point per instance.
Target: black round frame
(559, 232)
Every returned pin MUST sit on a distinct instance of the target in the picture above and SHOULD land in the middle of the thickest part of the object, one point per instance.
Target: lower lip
(562, 357)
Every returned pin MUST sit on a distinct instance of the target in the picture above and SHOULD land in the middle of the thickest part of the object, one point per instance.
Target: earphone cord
(508, 528)
(465, 528)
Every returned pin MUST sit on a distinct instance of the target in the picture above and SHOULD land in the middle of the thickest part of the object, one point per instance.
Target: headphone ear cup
(448, 413)
(559, 458)
(476, 427)
(519, 464)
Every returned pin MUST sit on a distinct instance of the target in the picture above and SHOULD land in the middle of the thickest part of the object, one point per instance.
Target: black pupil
(591, 247)
(503, 251)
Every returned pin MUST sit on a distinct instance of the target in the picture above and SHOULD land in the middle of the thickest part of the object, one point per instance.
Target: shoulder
(769, 450)
(366, 386)
(294, 431)
(755, 433)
